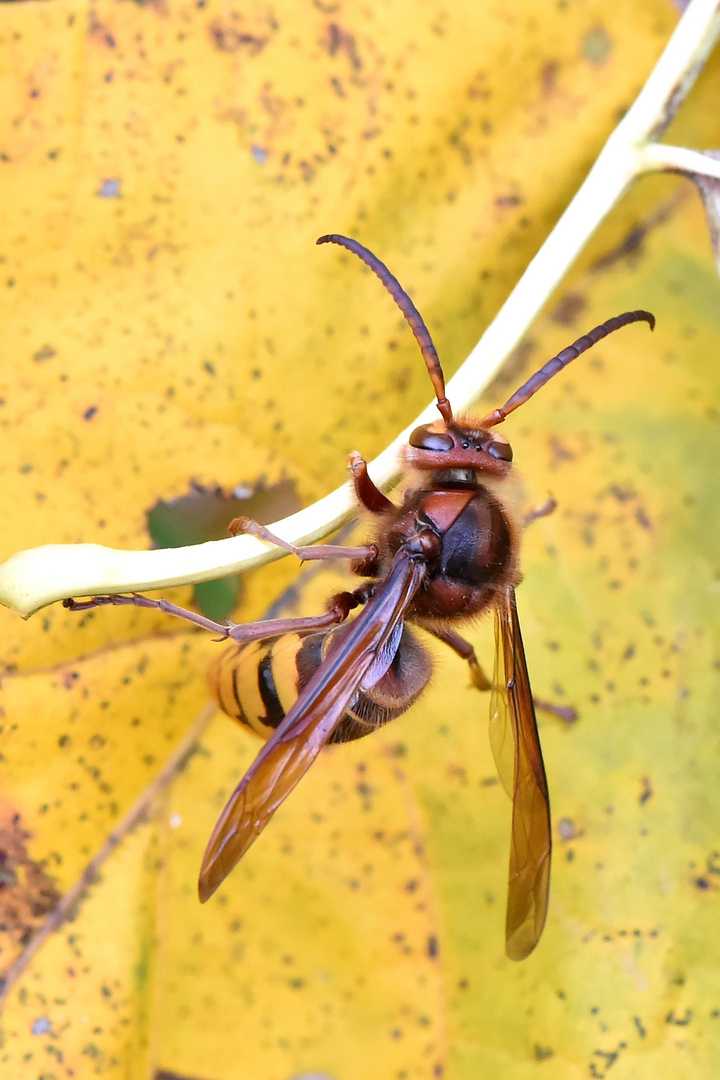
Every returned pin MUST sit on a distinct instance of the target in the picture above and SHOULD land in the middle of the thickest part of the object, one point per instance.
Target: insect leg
(367, 494)
(464, 649)
(136, 600)
(566, 713)
(340, 606)
(313, 551)
(547, 508)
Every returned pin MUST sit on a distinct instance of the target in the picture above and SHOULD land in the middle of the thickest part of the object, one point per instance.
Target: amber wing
(291, 750)
(516, 746)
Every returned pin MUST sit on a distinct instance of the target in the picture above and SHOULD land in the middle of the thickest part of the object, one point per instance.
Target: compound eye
(501, 450)
(424, 439)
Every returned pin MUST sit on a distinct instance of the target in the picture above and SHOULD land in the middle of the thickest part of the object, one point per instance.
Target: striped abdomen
(258, 683)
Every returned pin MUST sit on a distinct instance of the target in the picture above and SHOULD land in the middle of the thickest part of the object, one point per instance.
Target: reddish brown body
(468, 541)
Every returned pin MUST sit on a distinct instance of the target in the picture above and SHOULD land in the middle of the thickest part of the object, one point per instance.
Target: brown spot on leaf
(232, 39)
(559, 451)
(160, 6)
(478, 90)
(632, 246)
(508, 200)
(45, 353)
(680, 1021)
(169, 1074)
(622, 494)
(548, 77)
(27, 892)
(338, 41)
(100, 32)
(646, 791)
(571, 305)
(642, 519)
(457, 772)
(273, 104)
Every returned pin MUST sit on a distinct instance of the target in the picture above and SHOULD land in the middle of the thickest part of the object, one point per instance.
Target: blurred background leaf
(164, 171)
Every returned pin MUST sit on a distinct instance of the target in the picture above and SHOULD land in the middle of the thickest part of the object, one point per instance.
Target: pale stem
(657, 157)
(31, 579)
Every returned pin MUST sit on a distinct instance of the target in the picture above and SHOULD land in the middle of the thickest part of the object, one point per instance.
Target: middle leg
(366, 554)
(464, 649)
(339, 607)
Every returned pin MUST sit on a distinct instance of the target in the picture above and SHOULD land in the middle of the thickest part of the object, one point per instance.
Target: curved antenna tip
(563, 358)
(412, 315)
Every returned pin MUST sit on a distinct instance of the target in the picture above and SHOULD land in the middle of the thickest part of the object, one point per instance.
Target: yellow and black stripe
(256, 684)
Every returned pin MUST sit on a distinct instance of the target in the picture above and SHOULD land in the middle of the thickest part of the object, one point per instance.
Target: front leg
(479, 679)
(547, 508)
(368, 495)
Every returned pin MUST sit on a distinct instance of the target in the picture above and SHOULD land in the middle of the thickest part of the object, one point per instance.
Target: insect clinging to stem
(442, 558)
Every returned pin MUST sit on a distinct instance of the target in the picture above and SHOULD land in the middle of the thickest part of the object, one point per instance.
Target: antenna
(411, 313)
(557, 363)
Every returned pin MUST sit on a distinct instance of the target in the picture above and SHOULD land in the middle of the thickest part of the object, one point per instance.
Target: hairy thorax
(475, 552)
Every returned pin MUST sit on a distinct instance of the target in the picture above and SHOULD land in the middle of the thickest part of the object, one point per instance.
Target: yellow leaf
(166, 318)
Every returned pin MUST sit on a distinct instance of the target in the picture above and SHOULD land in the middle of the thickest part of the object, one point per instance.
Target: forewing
(291, 750)
(502, 734)
(529, 878)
